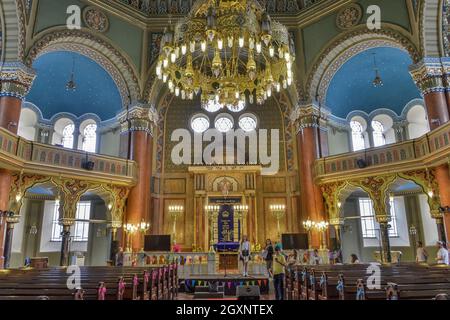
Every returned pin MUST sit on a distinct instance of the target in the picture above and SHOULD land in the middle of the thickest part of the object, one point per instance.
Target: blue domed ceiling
(96, 92)
(351, 87)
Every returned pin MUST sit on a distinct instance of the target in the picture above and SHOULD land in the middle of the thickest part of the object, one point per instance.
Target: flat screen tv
(157, 243)
(294, 241)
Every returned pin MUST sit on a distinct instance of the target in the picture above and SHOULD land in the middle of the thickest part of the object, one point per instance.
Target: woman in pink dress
(101, 291)
(135, 286)
(120, 289)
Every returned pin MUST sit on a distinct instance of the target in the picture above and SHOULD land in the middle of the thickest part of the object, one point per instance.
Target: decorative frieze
(428, 75)
(16, 79)
(309, 116)
(139, 117)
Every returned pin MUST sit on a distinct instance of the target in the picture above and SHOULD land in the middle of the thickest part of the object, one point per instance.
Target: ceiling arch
(351, 87)
(96, 92)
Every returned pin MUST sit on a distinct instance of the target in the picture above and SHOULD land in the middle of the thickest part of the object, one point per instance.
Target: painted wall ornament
(349, 17)
(95, 19)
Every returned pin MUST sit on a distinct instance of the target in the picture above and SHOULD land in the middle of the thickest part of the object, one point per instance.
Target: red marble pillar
(311, 134)
(16, 79)
(136, 144)
(443, 179)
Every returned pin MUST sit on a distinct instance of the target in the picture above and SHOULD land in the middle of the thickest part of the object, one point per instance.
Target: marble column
(65, 241)
(16, 80)
(311, 136)
(432, 76)
(385, 242)
(136, 142)
(428, 75)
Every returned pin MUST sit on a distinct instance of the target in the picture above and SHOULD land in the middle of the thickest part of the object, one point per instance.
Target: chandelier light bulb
(280, 52)
(251, 43)
(203, 45)
(284, 84)
(173, 57)
(258, 47)
(289, 81)
(230, 41)
(217, 98)
(271, 51)
(220, 44)
(269, 92)
(236, 94)
(183, 94)
(287, 56)
(183, 49)
(165, 77)
(289, 66)
(166, 63)
(192, 47)
(278, 87)
(170, 84)
(177, 91)
(241, 42)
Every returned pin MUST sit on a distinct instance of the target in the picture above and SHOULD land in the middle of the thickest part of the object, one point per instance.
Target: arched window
(247, 122)
(357, 136)
(224, 123)
(378, 134)
(90, 138)
(200, 123)
(67, 136)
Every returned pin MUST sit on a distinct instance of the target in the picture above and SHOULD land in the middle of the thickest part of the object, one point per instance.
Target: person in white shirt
(421, 253)
(442, 254)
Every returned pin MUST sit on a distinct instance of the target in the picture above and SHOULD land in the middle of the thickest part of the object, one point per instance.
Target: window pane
(67, 138)
(393, 230)
(200, 124)
(378, 135)
(56, 227)
(357, 136)
(90, 138)
(81, 232)
(367, 218)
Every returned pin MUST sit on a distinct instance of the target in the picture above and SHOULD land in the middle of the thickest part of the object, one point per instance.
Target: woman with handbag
(244, 254)
(268, 256)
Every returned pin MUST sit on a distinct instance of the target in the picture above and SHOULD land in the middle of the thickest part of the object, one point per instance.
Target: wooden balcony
(18, 154)
(429, 150)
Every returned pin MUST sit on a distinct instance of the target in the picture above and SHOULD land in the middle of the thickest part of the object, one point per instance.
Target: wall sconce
(33, 230)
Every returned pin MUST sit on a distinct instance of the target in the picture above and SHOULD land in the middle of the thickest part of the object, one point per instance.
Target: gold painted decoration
(349, 17)
(95, 19)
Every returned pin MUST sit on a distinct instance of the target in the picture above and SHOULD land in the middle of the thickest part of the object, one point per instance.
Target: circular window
(224, 122)
(200, 123)
(236, 108)
(212, 106)
(247, 122)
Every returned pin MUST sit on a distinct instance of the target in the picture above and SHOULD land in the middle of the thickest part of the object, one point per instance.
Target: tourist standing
(268, 256)
(119, 257)
(244, 254)
(421, 253)
(279, 263)
(442, 254)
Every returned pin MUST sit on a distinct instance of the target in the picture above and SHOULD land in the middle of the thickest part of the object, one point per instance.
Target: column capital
(336, 221)
(116, 224)
(383, 218)
(66, 222)
(138, 117)
(310, 115)
(16, 79)
(428, 75)
(12, 219)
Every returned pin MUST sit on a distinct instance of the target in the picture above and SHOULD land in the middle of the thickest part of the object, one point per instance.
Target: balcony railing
(19, 153)
(427, 150)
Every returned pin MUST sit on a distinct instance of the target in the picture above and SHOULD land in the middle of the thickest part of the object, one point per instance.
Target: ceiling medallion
(95, 19)
(227, 52)
(349, 17)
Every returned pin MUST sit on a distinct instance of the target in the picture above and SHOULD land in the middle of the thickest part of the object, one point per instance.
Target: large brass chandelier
(228, 52)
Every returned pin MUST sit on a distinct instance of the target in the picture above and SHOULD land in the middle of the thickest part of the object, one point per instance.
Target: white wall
(338, 141)
(19, 229)
(110, 143)
(429, 224)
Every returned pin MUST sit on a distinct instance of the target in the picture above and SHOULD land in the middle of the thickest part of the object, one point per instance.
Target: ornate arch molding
(102, 52)
(13, 30)
(431, 28)
(346, 47)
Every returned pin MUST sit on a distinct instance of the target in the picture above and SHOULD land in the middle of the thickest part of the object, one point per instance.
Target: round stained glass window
(212, 106)
(224, 123)
(247, 122)
(200, 123)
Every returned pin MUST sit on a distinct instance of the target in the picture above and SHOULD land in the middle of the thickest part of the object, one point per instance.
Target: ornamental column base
(386, 256)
